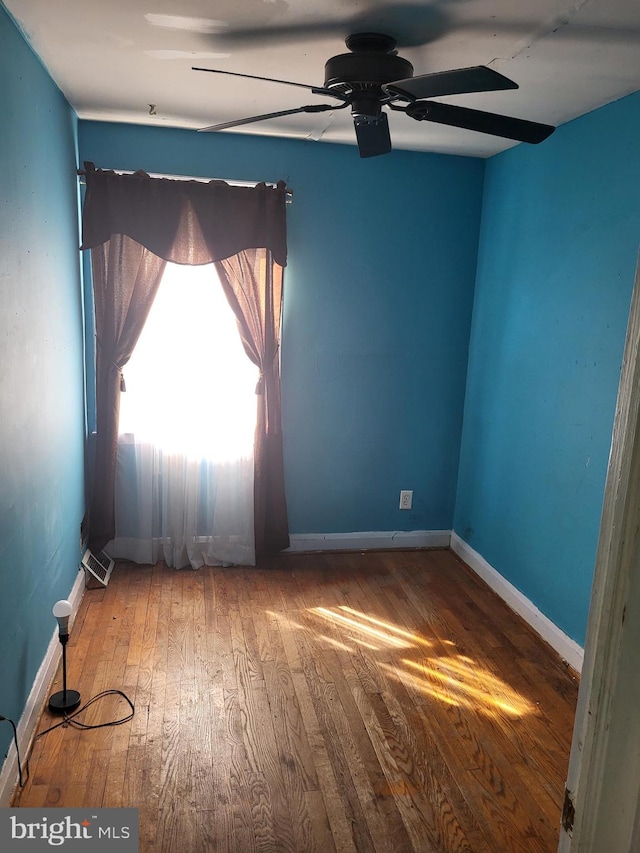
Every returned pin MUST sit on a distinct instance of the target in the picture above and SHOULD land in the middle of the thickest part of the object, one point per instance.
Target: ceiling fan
(372, 76)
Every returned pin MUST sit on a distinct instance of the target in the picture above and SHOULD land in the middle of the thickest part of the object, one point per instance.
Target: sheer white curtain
(184, 483)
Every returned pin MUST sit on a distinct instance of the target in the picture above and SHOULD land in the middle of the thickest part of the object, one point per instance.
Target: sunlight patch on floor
(388, 626)
(469, 685)
(455, 680)
(384, 636)
(419, 684)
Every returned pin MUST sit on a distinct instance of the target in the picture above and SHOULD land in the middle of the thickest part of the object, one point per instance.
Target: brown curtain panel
(134, 224)
(253, 285)
(126, 277)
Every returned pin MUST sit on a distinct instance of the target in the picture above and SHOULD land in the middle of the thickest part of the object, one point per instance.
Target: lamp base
(64, 701)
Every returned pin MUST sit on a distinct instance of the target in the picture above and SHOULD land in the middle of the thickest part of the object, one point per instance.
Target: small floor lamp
(65, 700)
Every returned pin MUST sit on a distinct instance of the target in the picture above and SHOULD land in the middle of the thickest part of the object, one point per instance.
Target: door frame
(603, 782)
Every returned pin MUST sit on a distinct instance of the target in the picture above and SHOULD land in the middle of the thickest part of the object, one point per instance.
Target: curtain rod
(288, 192)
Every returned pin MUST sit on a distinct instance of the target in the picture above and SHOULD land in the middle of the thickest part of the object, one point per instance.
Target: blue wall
(559, 240)
(377, 329)
(378, 297)
(41, 421)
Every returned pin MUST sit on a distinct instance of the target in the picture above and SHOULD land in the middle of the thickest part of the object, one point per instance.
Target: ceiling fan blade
(317, 90)
(460, 81)
(496, 125)
(373, 137)
(310, 108)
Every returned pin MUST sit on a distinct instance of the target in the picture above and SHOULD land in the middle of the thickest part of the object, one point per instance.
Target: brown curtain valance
(163, 215)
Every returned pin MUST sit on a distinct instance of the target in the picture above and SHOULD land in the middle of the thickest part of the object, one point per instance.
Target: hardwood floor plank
(341, 826)
(418, 782)
(322, 838)
(381, 811)
(322, 696)
(215, 820)
(427, 767)
(288, 721)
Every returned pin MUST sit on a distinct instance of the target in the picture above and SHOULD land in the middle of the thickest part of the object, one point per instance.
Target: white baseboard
(567, 648)
(369, 540)
(33, 708)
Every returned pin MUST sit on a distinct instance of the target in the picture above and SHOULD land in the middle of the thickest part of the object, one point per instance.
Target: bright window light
(190, 384)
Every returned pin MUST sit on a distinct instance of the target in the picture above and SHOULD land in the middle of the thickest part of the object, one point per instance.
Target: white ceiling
(115, 58)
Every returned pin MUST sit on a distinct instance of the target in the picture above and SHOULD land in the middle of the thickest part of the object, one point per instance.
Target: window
(190, 384)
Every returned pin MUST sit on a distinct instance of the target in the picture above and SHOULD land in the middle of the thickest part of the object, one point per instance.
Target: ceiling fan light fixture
(372, 135)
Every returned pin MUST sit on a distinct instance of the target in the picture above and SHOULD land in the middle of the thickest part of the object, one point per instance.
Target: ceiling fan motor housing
(372, 62)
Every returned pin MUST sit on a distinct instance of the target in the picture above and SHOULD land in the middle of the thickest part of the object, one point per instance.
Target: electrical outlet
(406, 498)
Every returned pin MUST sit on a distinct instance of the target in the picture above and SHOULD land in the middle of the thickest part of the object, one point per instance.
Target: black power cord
(15, 740)
(70, 720)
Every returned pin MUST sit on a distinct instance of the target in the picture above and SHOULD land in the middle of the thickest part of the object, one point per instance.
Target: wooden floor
(371, 702)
